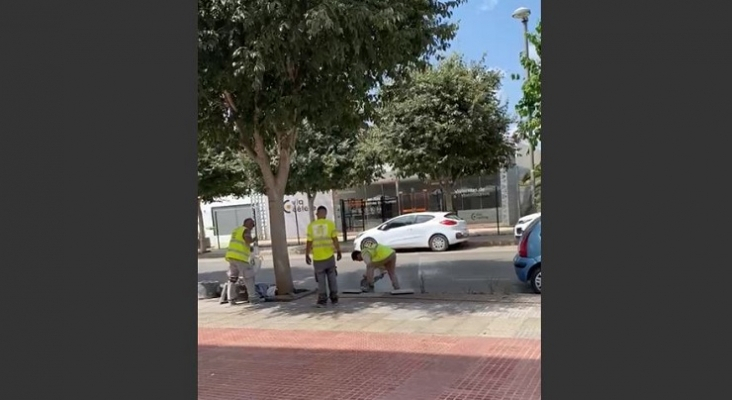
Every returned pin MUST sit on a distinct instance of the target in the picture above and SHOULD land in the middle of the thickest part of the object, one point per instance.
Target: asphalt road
(482, 270)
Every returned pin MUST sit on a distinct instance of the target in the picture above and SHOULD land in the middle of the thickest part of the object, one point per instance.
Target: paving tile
(513, 320)
(382, 325)
(256, 364)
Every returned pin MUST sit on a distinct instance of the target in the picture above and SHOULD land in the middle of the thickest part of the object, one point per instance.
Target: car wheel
(535, 280)
(439, 243)
(368, 242)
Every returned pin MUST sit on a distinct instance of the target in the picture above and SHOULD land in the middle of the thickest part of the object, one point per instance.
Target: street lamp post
(522, 14)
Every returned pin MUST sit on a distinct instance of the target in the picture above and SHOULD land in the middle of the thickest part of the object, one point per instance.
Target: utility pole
(522, 13)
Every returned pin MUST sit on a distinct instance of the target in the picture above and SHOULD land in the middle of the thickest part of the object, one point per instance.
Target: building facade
(498, 199)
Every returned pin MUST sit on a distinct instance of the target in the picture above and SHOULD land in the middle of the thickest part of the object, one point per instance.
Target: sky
(487, 28)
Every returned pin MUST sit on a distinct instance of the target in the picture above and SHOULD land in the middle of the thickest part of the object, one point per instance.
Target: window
(399, 222)
(421, 219)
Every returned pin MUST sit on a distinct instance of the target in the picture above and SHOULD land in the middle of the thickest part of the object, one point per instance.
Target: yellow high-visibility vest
(238, 248)
(321, 233)
(378, 252)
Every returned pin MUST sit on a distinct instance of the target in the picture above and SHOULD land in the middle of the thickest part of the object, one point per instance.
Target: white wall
(293, 228)
(298, 218)
(208, 215)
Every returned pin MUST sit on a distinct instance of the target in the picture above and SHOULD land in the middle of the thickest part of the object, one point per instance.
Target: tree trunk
(201, 230)
(278, 236)
(311, 206)
(275, 191)
(447, 191)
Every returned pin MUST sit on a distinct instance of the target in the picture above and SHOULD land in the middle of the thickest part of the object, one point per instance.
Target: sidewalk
(371, 349)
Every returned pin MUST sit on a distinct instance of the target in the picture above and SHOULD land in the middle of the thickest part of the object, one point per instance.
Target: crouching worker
(377, 257)
(241, 265)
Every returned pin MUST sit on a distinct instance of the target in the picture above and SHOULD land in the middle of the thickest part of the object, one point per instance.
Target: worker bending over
(241, 264)
(380, 257)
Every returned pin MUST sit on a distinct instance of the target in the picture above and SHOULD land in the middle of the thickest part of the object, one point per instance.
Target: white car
(434, 230)
(523, 222)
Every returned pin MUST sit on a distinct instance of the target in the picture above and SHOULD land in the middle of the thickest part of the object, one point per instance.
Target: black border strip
(99, 179)
(633, 229)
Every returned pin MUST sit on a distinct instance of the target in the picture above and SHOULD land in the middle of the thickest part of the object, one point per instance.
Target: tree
(328, 160)
(334, 159)
(445, 123)
(529, 107)
(220, 174)
(537, 178)
(266, 67)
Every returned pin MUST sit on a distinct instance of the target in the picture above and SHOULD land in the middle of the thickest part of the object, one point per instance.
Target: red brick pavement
(253, 364)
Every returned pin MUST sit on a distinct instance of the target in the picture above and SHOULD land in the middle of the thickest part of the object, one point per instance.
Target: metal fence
(358, 215)
(480, 207)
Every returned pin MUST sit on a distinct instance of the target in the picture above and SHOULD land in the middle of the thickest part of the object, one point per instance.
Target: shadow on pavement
(395, 308)
(301, 277)
(426, 276)
(366, 371)
(467, 277)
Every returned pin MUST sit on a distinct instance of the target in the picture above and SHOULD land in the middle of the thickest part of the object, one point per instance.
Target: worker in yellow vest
(238, 254)
(377, 256)
(322, 240)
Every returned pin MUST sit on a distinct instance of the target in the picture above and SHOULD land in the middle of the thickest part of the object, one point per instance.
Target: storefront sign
(478, 216)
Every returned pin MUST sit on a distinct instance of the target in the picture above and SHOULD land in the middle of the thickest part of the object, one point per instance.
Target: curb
(349, 247)
(477, 298)
(293, 297)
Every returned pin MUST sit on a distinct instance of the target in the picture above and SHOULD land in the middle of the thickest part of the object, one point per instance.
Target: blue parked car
(528, 259)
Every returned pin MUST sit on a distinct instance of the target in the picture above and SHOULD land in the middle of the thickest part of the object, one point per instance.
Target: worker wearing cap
(238, 254)
(377, 256)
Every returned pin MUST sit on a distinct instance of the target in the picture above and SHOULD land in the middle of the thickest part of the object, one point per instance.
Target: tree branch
(285, 157)
(238, 125)
(257, 152)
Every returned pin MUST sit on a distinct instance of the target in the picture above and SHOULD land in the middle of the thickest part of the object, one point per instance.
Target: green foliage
(220, 173)
(445, 122)
(335, 159)
(529, 107)
(265, 67)
(330, 160)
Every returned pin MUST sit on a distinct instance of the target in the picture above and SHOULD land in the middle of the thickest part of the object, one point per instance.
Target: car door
(396, 232)
(420, 232)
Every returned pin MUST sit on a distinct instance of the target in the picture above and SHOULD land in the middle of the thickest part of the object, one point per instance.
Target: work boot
(334, 300)
(322, 302)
